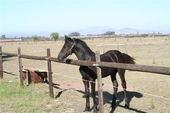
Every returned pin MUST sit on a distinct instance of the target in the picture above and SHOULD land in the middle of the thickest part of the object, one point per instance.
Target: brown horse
(83, 52)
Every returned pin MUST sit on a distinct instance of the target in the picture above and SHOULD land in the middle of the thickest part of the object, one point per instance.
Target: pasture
(147, 92)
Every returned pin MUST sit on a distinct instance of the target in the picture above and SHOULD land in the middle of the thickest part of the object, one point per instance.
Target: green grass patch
(34, 99)
(12, 89)
(19, 99)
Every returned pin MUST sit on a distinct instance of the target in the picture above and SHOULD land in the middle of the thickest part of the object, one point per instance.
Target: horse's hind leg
(122, 77)
(115, 87)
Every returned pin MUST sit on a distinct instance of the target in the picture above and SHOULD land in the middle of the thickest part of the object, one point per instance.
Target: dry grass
(148, 51)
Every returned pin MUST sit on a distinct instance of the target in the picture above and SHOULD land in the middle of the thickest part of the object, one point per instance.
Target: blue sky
(41, 17)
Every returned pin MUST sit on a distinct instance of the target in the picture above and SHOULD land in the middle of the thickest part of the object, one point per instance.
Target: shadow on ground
(107, 98)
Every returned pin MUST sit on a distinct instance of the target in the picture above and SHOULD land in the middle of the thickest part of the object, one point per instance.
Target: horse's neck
(83, 53)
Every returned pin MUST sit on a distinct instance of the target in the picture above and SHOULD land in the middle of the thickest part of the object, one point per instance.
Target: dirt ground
(147, 92)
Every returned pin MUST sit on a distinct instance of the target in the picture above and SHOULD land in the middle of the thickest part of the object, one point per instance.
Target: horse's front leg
(94, 96)
(122, 77)
(87, 95)
(115, 87)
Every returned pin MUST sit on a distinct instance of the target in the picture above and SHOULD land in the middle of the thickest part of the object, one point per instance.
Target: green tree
(35, 37)
(54, 35)
(74, 34)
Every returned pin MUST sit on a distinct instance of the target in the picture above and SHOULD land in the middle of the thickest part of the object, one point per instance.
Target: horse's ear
(68, 39)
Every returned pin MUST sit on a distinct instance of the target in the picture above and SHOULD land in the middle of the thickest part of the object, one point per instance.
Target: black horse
(83, 52)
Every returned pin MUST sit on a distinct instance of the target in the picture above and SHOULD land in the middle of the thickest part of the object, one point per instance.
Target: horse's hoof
(95, 111)
(87, 109)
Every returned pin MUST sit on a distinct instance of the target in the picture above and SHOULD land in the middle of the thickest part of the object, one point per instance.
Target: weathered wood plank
(10, 54)
(50, 74)
(20, 67)
(133, 67)
(34, 57)
(99, 82)
(1, 64)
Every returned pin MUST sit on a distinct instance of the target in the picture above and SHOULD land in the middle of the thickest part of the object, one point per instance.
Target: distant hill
(103, 29)
(85, 31)
(96, 30)
(127, 30)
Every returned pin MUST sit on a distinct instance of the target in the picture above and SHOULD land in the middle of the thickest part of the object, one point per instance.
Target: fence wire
(71, 77)
(149, 94)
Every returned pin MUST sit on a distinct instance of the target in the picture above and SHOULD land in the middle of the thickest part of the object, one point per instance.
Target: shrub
(74, 34)
(54, 35)
(35, 37)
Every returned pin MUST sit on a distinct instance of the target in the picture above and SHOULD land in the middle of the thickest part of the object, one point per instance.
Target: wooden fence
(97, 64)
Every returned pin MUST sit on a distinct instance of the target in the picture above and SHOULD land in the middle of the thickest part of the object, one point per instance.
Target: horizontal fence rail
(10, 54)
(132, 67)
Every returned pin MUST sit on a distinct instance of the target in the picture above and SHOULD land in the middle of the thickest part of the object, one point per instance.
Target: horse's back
(112, 56)
(116, 56)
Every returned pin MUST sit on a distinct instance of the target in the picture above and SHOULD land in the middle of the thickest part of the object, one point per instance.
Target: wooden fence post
(1, 64)
(20, 67)
(99, 82)
(50, 74)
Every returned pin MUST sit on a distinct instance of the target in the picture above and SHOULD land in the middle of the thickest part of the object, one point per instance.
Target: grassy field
(147, 92)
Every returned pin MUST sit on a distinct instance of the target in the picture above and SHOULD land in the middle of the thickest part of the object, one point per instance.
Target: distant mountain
(95, 30)
(127, 30)
(89, 30)
(103, 29)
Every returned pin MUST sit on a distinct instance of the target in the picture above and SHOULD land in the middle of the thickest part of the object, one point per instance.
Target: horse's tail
(128, 59)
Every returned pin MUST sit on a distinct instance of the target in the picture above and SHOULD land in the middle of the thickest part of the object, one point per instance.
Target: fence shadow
(10, 73)
(107, 98)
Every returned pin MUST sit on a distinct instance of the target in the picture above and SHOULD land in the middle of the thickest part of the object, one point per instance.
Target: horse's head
(67, 48)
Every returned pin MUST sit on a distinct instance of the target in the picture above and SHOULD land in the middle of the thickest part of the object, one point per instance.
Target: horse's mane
(81, 42)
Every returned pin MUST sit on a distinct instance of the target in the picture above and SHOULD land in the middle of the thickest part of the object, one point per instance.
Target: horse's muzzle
(60, 58)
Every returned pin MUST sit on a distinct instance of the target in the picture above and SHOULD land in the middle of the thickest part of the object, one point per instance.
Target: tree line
(53, 36)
